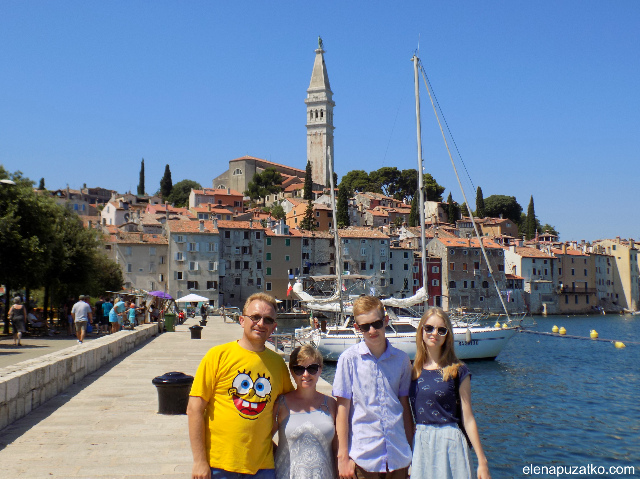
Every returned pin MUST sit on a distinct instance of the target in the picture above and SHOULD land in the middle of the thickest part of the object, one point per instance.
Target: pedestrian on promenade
(107, 306)
(18, 315)
(203, 312)
(440, 396)
(230, 410)
(373, 424)
(99, 317)
(132, 315)
(82, 316)
(305, 421)
(68, 306)
(115, 315)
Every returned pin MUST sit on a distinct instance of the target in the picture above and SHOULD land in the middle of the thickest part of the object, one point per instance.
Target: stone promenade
(107, 425)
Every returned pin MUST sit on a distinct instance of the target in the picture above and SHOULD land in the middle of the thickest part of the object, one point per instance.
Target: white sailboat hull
(486, 343)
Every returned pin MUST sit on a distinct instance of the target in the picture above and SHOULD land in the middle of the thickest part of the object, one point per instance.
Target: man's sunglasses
(311, 369)
(379, 324)
(265, 319)
(441, 331)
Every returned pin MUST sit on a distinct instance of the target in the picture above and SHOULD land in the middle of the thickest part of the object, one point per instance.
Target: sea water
(552, 401)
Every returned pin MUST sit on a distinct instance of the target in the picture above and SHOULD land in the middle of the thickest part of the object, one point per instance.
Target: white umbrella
(191, 298)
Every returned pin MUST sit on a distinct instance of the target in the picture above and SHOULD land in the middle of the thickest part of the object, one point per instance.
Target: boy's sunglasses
(265, 319)
(379, 324)
(311, 369)
(441, 331)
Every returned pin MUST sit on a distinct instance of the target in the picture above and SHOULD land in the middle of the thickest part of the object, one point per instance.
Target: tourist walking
(18, 315)
(305, 421)
(98, 315)
(440, 397)
(230, 410)
(373, 422)
(115, 315)
(82, 316)
(107, 306)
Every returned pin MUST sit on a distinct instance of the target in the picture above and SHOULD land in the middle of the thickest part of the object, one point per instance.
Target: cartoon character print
(250, 397)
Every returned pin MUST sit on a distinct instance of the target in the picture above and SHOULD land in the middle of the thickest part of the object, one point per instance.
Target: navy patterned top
(433, 400)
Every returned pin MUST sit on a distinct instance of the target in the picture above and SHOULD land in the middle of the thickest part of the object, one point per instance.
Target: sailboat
(471, 340)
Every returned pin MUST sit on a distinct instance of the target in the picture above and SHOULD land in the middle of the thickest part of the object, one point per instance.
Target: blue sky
(542, 97)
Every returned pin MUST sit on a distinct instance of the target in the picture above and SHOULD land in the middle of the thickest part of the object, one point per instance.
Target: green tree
(308, 223)
(180, 192)
(308, 183)
(464, 210)
(277, 211)
(414, 217)
(452, 210)
(358, 181)
(432, 190)
(479, 203)
(263, 184)
(387, 179)
(41, 185)
(342, 209)
(507, 206)
(530, 222)
(141, 182)
(547, 228)
(166, 185)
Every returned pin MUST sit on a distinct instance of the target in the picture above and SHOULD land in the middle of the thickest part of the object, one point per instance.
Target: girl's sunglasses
(441, 331)
(311, 369)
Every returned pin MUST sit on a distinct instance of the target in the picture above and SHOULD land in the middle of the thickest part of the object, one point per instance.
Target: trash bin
(203, 322)
(196, 331)
(173, 392)
(169, 322)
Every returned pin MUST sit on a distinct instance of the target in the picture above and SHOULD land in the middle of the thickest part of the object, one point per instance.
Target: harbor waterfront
(549, 400)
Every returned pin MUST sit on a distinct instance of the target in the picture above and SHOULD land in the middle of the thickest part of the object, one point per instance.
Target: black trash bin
(173, 392)
(203, 322)
(196, 331)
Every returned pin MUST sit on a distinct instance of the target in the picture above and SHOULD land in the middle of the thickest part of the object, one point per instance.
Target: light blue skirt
(440, 452)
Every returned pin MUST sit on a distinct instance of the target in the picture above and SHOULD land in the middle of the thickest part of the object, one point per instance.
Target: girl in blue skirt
(440, 397)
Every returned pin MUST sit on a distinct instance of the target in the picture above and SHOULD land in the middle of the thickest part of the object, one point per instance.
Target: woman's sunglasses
(441, 331)
(311, 369)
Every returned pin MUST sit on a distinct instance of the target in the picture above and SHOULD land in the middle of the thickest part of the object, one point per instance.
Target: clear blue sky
(542, 97)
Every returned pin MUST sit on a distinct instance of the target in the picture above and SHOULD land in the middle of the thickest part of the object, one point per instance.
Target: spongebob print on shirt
(250, 395)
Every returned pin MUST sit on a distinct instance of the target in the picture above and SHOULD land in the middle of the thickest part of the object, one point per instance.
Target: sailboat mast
(420, 192)
(336, 237)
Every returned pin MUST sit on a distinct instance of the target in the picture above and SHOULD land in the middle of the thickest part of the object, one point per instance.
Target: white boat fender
(467, 335)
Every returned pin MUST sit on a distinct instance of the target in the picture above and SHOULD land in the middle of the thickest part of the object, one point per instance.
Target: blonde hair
(304, 352)
(449, 362)
(259, 297)
(366, 304)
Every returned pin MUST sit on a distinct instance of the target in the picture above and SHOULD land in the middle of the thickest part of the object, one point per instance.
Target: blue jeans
(261, 474)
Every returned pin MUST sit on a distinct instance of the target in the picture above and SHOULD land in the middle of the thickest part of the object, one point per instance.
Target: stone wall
(27, 385)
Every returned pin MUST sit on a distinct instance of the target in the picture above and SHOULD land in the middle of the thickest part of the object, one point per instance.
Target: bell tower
(320, 105)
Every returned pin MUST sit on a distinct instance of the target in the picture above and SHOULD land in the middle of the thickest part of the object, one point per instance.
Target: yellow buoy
(593, 334)
(562, 330)
(504, 326)
(554, 329)
(497, 325)
(619, 345)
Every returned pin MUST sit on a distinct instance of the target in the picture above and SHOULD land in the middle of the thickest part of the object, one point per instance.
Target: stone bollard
(173, 392)
(196, 331)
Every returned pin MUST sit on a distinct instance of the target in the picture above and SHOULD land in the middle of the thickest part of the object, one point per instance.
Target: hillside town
(224, 247)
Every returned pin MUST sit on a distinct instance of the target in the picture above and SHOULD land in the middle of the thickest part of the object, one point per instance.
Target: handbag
(89, 327)
(456, 381)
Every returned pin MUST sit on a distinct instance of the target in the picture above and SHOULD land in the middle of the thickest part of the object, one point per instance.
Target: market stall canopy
(160, 294)
(191, 298)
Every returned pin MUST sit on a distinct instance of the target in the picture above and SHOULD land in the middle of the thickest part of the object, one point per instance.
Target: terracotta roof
(361, 232)
(294, 201)
(512, 276)
(191, 227)
(217, 192)
(569, 252)
(242, 158)
(242, 225)
(378, 213)
(530, 252)
(468, 242)
(203, 208)
(311, 234)
(140, 238)
(295, 187)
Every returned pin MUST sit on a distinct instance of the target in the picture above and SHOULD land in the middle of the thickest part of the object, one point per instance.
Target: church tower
(319, 120)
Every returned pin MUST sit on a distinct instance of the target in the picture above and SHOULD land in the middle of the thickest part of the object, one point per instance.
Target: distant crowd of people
(385, 416)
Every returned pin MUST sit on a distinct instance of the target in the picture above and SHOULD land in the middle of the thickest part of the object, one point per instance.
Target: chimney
(209, 205)
(618, 239)
(250, 223)
(215, 223)
(228, 191)
(564, 248)
(201, 226)
(631, 243)
(141, 237)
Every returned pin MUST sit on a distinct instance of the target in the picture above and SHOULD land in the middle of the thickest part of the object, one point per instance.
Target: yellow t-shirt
(240, 387)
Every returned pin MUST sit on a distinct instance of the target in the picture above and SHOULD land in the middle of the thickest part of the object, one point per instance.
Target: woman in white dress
(305, 421)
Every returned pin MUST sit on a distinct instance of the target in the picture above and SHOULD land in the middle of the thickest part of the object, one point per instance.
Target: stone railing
(25, 386)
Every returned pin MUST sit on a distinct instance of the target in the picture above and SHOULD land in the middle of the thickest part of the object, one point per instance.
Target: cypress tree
(342, 208)
(451, 210)
(530, 221)
(166, 185)
(414, 219)
(141, 182)
(479, 204)
(41, 186)
(307, 222)
(308, 183)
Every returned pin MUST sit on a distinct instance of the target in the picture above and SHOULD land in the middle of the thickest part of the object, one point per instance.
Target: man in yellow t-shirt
(231, 405)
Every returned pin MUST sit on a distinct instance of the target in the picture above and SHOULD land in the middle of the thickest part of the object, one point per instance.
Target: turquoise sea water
(549, 401)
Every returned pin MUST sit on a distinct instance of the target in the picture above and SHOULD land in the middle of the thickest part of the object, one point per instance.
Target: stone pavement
(107, 425)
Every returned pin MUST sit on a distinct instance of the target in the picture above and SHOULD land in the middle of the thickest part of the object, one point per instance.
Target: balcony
(566, 289)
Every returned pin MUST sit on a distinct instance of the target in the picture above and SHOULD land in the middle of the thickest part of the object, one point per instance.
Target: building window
(259, 265)
(212, 285)
(192, 285)
(236, 265)
(180, 239)
(268, 257)
(193, 266)
(435, 282)
(127, 251)
(193, 247)
(213, 265)
(179, 275)
(383, 252)
(268, 241)
(585, 272)
(363, 251)
(287, 242)
(452, 266)
(268, 271)
(129, 268)
(485, 284)
(576, 299)
(464, 284)
(573, 272)
(501, 268)
(245, 265)
(406, 267)
(152, 250)
(464, 266)
(236, 281)
(435, 269)
(268, 287)
(406, 255)
(345, 266)
(286, 258)
(227, 234)
(452, 284)
(161, 278)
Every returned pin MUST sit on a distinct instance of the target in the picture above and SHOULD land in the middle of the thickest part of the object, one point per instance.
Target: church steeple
(319, 119)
